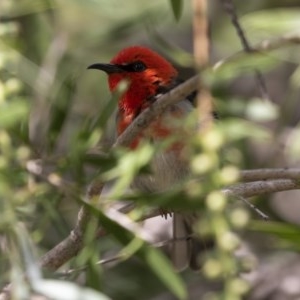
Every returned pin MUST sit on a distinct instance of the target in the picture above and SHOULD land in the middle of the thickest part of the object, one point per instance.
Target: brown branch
(239, 191)
(267, 174)
(258, 188)
(52, 260)
(70, 246)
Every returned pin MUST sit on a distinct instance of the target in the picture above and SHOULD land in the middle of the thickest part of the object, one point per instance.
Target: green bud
(5, 140)
(238, 286)
(212, 140)
(229, 174)
(23, 153)
(216, 201)
(228, 241)
(239, 217)
(203, 163)
(12, 86)
(212, 268)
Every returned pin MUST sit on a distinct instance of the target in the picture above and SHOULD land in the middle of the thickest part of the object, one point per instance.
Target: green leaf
(161, 266)
(236, 129)
(155, 260)
(62, 290)
(283, 230)
(127, 168)
(266, 23)
(177, 8)
(12, 113)
(240, 65)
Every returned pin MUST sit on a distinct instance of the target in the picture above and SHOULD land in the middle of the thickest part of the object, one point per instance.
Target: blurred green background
(50, 107)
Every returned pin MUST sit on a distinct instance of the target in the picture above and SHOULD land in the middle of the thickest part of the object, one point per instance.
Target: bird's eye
(138, 66)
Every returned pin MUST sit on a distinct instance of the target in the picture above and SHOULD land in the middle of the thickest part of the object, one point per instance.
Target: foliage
(55, 138)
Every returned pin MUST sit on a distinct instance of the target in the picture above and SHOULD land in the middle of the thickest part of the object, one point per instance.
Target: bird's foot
(165, 213)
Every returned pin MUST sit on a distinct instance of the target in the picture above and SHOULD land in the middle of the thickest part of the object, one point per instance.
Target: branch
(69, 247)
(258, 188)
(230, 9)
(239, 191)
(267, 174)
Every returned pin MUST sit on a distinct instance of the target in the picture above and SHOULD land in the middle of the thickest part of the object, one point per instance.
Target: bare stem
(230, 9)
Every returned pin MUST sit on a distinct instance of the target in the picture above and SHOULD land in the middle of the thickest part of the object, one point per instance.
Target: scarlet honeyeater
(149, 75)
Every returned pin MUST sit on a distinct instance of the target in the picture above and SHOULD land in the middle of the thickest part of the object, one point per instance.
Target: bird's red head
(147, 71)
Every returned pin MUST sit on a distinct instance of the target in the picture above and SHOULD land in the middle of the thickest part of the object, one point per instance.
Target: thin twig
(116, 258)
(230, 9)
(253, 207)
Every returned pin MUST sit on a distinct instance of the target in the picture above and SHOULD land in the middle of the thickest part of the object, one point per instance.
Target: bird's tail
(181, 244)
(186, 248)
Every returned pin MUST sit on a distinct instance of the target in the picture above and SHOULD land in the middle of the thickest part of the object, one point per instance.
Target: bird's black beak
(107, 68)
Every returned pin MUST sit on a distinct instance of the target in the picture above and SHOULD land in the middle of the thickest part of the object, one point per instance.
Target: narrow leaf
(161, 266)
(62, 290)
(177, 8)
(155, 260)
(277, 228)
(12, 113)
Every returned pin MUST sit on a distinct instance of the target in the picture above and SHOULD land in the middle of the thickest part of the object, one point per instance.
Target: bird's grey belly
(167, 169)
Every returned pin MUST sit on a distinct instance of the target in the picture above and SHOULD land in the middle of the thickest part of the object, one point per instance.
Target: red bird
(149, 74)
